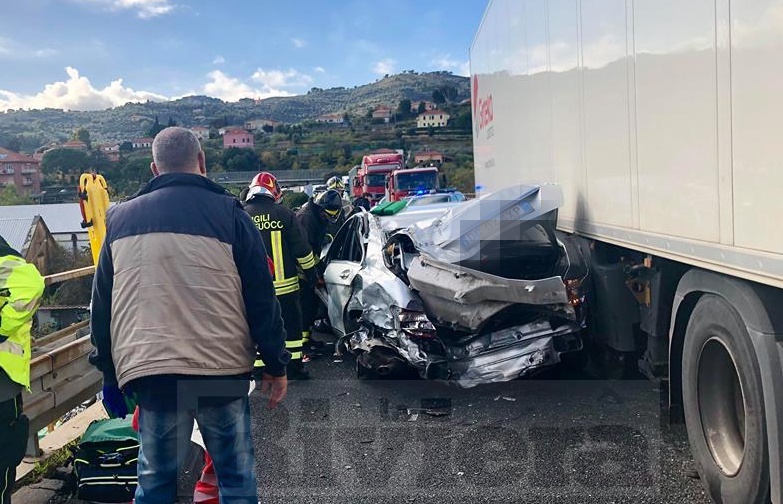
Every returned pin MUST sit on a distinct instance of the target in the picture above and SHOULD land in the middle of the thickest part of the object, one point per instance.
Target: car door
(345, 260)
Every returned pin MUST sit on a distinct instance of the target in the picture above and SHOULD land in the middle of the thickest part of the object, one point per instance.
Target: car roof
(418, 214)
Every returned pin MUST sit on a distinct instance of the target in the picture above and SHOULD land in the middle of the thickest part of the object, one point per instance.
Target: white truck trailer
(661, 121)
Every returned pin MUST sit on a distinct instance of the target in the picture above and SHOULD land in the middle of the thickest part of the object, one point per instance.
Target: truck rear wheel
(724, 405)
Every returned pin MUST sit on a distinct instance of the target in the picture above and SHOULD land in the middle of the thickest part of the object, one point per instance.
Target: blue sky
(90, 54)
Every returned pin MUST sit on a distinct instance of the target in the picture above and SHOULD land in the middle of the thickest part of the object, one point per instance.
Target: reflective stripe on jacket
(21, 288)
(284, 240)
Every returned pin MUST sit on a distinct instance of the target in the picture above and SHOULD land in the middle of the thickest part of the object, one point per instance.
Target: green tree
(450, 93)
(12, 143)
(171, 122)
(267, 128)
(237, 159)
(463, 121)
(126, 146)
(65, 161)
(82, 135)
(404, 108)
(136, 171)
(156, 128)
(460, 176)
(422, 107)
(9, 196)
(438, 97)
(213, 158)
(99, 162)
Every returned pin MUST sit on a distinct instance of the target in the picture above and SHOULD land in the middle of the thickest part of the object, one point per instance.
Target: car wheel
(724, 405)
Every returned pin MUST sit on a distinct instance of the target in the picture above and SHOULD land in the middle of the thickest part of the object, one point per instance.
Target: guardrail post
(33, 449)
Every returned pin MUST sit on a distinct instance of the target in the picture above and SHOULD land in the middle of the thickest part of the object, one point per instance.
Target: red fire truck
(371, 175)
(410, 182)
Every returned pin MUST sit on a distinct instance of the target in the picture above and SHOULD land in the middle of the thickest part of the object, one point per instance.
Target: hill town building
(238, 138)
(20, 171)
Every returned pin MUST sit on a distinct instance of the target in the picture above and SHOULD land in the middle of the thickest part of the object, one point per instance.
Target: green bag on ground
(105, 461)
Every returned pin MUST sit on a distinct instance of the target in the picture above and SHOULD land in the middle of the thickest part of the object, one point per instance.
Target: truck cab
(372, 173)
(410, 182)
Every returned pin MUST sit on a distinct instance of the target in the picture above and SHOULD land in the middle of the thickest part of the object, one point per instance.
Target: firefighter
(315, 217)
(287, 246)
(336, 184)
(362, 202)
(21, 287)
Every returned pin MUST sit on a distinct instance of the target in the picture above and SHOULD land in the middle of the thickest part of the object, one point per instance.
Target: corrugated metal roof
(16, 231)
(59, 218)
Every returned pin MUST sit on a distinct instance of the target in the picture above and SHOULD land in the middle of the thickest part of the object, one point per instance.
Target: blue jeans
(165, 440)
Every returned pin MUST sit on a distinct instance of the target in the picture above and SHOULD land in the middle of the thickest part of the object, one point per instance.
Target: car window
(348, 244)
(428, 200)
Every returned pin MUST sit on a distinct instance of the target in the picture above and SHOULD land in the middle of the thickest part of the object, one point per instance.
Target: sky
(96, 54)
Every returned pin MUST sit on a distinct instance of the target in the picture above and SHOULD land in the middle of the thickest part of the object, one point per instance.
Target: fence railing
(283, 176)
(61, 378)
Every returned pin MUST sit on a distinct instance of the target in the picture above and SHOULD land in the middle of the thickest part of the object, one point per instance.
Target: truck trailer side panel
(658, 119)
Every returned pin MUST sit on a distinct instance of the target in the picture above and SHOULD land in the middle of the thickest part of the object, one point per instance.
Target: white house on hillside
(201, 132)
(330, 118)
(432, 119)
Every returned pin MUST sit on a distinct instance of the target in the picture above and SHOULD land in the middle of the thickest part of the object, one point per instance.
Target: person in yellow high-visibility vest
(285, 242)
(21, 288)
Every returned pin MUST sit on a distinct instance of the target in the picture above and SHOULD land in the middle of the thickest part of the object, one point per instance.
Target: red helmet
(264, 184)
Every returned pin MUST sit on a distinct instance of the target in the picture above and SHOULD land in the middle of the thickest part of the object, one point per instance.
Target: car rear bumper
(511, 361)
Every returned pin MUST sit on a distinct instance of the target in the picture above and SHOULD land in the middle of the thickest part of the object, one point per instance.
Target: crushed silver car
(472, 292)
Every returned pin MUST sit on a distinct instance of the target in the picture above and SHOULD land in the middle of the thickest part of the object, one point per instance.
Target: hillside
(37, 127)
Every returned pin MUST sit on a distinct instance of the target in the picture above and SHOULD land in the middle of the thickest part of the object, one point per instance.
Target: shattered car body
(472, 292)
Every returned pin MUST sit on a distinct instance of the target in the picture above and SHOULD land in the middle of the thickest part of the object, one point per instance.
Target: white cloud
(144, 8)
(262, 84)
(219, 60)
(76, 93)
(45, 53)
(319, 69)
(13, 50)
(227, 88)
(281, 78)
(298, 43)
(384, 66)
(452, 65)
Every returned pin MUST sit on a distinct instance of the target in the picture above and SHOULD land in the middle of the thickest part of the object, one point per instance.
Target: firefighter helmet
(330, 203)
(335, 183)
(264, 184)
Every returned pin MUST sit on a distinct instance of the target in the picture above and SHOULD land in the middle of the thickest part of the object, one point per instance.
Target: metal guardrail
(61, 378)
(283, 176)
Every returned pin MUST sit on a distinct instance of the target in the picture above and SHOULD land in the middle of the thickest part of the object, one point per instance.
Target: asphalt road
(561, 437)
